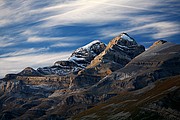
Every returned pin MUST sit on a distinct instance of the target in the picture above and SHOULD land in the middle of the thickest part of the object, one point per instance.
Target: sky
(36, 33)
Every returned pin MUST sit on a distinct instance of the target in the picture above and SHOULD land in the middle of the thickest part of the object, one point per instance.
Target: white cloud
(6, 41)
(43, 39)
(5, 44)
(15, 12)
(101, 12)
(78, 11)
(34, 39)
(17, 63)
(91, 12)
(64, 45)
(156, 30)
(23, 52)
(29, 32)
(126, 12)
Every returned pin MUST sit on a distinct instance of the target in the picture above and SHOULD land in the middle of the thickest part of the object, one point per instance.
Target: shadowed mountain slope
(158, 101)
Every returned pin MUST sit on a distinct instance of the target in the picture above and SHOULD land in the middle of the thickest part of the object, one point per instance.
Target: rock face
(158, 101)
(160, 61)
(120, 50)
(159, 42)
(61, 68)
(79, 59)
(86, 54)
(120, 79)
(29, 72)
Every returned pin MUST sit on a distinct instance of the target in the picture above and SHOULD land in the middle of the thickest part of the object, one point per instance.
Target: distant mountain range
(117, 81)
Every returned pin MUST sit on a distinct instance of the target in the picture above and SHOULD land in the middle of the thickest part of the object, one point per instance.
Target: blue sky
(37, 33)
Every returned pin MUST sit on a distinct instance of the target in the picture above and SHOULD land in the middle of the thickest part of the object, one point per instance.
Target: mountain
(159, 61)
(120, 50)
(78, 60)
(84, 55)
(117, 81)
(29, 72)
(159, 101)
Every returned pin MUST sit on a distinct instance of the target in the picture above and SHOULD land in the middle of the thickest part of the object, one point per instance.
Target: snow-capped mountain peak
(88, 46)
(78, 60)
(86, 53)
(125, 36)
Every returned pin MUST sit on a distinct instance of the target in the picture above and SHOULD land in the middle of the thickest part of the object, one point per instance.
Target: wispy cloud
(108, 11)
(17, 63)
(34, 39)
(6, 41)
(24, 52)
(29, 32)
(64, 45)
(99, 12)
(158, 29)
(41, 39)
(155, 30)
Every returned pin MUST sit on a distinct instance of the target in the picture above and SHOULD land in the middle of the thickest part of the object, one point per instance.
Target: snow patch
(88, 46)
(121, 46)
(74, 58)
(125, 37)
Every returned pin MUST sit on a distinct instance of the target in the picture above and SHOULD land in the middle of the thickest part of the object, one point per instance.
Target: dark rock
(29, 72)
(10, 76)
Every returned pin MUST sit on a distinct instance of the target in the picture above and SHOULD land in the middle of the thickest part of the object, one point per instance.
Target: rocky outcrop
(29, 72)
(11, 86)
(60, 68)
(159, 42)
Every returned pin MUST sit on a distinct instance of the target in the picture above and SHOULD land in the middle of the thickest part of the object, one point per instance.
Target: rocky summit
(120, 80)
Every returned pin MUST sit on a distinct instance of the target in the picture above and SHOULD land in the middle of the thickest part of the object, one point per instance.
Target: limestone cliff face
(120, 51)
(11, 86)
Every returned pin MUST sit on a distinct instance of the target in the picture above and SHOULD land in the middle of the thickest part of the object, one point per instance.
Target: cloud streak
(15, 64)
(23, 52)
(155, 30)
